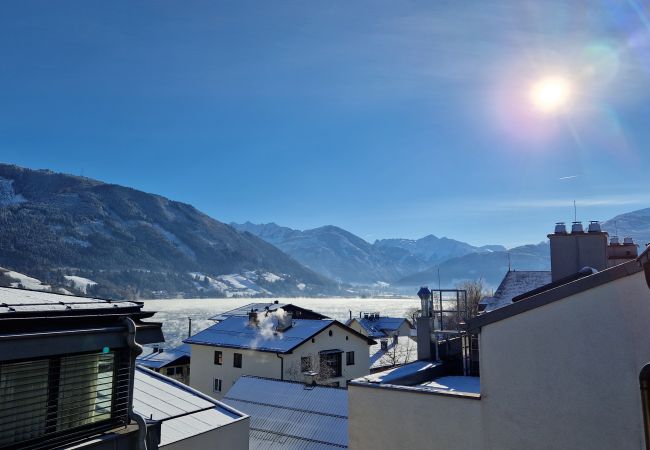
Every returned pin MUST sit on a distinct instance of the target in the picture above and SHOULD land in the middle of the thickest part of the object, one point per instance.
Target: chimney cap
(576, 227)
(594, 226)
(560, 228)
(628, 240)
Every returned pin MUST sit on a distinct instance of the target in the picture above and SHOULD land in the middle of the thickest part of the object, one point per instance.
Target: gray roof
(22, 302)
(562, 291)
(515, 283)
(235, 332)
(379, 327)
(167, 357)
(243, 311)
(184, 412)
(288, 415)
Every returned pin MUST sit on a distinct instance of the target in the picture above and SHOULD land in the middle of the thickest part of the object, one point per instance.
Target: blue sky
(389, 119)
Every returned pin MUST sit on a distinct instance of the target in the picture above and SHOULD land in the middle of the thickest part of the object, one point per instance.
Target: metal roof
(243, 311)
(515, 283)
(15, 302)
(156, 359)
(379, 327)
(290, 415)
(235, 332)
(183, 411)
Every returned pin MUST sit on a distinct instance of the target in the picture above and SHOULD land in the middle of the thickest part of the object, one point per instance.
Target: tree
(402, 351)
(475, 292)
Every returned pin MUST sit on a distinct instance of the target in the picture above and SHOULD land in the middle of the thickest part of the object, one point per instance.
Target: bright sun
(550, 94)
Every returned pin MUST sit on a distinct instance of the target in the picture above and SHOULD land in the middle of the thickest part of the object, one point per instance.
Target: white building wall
(564, 375)
(394, 419)
(266, 364)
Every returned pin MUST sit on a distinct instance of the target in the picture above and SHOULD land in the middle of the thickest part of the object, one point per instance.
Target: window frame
(237, 360)
(349, 358)
(217, 384)
(306, 367)
(218, 358)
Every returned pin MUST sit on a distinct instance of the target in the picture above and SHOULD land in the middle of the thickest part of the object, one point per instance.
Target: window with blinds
(48, 399)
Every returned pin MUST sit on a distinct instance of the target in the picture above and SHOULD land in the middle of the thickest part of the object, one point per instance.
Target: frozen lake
(174, 313)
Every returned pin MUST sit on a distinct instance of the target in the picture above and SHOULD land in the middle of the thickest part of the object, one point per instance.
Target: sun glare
(551, 94)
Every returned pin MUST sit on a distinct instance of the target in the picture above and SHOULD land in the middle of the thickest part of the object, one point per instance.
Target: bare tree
(412, 314)
(402, 351)
(475, 292)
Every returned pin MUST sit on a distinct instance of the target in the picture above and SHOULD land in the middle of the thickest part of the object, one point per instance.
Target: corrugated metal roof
(381, 326)
(16, 301)
(235, 332)
(243, 311)
(183, 411)
(289, 415)
(156, 359)
(514, 283)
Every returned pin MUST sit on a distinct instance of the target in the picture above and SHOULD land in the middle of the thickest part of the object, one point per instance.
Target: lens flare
(550, 94)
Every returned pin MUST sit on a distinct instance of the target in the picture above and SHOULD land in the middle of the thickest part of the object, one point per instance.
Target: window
(330, 332)
(330, 364)
(52, 396)
(179, 371)
(305, 364)
(395, 339)
(236, 362)
(218, 357)
(349, 358)
(170, 371)
(217, 385)
(384, 345)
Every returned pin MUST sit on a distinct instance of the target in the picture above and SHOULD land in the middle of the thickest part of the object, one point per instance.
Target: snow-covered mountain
(114, 241)
(635, 224)
(341, 255)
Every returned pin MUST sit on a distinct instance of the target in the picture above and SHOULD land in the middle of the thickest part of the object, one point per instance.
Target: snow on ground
(80, 283)
(27, 281)
(271, 277)
(7, 194)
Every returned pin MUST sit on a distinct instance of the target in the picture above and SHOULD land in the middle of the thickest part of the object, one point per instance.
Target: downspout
(136, 349)
(281, 366)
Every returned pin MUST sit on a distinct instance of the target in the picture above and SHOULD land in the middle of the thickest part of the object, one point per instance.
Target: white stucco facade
(285, 366)
(562, 375)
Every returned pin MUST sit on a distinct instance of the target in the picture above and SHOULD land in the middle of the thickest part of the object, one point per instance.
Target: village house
(296, 311)
(174, 362)
(274, 345)
(395, 345)
(566, 365)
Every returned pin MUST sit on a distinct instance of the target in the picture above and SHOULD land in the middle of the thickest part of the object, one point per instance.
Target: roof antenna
(508, 261)
(439, 285)
(575, 212)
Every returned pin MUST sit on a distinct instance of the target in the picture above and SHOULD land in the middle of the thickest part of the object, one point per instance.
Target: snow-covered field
(174, 313)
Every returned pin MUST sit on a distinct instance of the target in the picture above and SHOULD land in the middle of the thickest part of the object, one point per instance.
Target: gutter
(136, 349)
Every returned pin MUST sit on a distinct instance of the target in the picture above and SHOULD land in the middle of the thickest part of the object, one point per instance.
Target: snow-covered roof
(514, 283)
(289, 415)
(243, 311)
(398, 373)
(183, 411)
(236, 332)
(404, 351)
(378, 327)
(153, 358)
(15, 302)
(470, 385)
